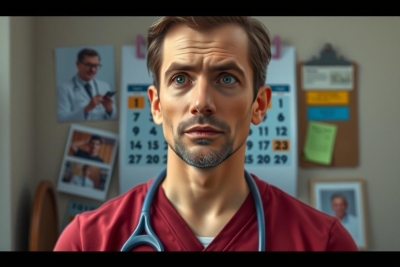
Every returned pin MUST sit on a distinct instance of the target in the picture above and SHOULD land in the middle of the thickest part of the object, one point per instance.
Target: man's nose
(202, 98)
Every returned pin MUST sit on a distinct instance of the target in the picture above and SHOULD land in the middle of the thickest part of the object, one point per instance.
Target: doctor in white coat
(340, 206)
(84, 98)
(83, 180)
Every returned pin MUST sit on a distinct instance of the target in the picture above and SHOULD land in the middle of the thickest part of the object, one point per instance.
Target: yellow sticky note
(320, 141)
(327, 98)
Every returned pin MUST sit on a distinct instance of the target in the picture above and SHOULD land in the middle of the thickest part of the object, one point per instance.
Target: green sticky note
(320, 140)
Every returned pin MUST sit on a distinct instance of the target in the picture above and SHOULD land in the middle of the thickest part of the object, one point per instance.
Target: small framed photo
(85, 83)
(343, 198)
(88, 162)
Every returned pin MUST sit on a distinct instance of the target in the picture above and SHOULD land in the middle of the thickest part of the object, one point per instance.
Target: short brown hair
(87, 52)
(258, 34)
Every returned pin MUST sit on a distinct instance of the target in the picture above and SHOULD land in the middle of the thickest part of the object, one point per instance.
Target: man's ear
(261, 104)
(155, 106)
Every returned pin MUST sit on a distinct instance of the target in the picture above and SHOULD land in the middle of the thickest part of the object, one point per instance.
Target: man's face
(339, 207)
(87, 69)
(94, 147)
(206, 93)
(86, 172)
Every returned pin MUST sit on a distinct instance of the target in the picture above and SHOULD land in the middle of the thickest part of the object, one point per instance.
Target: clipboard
(328, 93)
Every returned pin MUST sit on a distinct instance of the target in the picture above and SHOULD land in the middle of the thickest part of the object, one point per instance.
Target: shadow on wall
(22, 222)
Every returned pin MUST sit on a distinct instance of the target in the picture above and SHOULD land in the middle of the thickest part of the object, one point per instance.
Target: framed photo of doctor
(344, 199)
(85, 82)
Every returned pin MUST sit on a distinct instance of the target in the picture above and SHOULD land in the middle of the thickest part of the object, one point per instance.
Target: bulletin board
(271, 146)
(327, 95)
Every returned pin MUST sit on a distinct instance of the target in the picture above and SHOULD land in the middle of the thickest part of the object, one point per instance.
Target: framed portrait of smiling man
(85, 82)
(344, 199)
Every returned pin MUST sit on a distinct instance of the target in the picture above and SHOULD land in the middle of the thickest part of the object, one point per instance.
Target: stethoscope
(151, 239)
(77, 87)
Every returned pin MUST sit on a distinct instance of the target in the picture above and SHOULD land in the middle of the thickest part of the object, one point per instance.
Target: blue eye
(228, 79)
(180, 79)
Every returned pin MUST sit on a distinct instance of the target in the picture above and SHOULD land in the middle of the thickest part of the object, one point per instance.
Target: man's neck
(344, 216)
(206, 198)
(83, 80)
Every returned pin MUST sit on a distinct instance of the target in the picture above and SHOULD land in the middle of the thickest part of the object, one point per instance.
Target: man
(84, 179)
(209, 86)
(84, 98)
(340, 206)
(93, 144)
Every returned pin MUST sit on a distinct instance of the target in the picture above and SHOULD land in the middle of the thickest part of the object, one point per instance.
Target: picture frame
(88, 162)
(330, 196)
(71, 74)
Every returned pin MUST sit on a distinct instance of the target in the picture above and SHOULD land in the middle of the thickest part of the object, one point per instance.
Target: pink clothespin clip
(277, 43)
(139, 43)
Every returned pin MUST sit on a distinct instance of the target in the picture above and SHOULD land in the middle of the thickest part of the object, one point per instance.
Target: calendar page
(271, 146)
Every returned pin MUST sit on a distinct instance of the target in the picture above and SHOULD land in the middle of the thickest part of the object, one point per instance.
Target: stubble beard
(207, 158)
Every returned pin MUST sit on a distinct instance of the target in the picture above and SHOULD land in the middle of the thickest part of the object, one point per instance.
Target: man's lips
(202, 129)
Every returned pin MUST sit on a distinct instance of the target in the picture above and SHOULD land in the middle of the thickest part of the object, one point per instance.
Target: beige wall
(5, 179)
(372, 42)
(17, 131)
(23, 121)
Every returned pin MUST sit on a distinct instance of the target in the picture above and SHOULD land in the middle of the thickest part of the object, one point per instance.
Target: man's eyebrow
(229, 65)
(176, 66)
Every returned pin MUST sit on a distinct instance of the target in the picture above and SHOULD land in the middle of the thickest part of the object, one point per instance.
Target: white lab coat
(78, 180)
(72, 99)
(350, 222)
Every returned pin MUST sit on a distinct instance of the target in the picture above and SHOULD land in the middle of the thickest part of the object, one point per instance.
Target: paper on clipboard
(320, 141)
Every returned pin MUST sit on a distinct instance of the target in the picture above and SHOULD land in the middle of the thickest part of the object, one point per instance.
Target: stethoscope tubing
(137, 238)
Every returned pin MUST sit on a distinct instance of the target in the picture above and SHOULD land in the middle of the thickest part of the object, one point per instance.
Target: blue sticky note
(328, 113)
